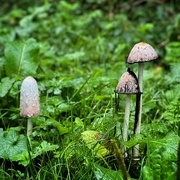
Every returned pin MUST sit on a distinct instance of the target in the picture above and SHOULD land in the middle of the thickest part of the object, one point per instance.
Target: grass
(78, 56)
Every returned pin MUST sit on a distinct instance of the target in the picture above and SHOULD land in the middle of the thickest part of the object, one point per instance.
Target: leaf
(106, 174)
(21, 57)
(5, 86)
(25, 157)
(12, 144)
(92, 141)
(44, 147)
(51, 122)
(138, 138)
(79, 122)
(161, 163)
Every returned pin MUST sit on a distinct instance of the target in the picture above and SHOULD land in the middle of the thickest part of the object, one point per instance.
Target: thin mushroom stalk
(29, 101)
(139, 97)
(126, 118)
(127, 85)
(29, 127)
(138, 112)
(140, 53)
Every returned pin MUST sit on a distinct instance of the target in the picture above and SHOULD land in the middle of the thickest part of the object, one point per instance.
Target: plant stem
(29, 127)
(137, 125)
(126, 120)
(119, 157)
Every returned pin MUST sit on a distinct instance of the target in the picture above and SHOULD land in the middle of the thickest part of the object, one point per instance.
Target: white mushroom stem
(29, 127)
(140, 80)
(126, 120)
(137, 127)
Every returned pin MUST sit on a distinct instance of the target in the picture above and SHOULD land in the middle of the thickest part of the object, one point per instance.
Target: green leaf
(92, 140)
(51, 122)
(136, 139)
(21, 57)
(5, 85)
(12, 144)
(106, 174)
(44, 147)
(79, 122)
(147, 173)
(25, 157)
(161, 163)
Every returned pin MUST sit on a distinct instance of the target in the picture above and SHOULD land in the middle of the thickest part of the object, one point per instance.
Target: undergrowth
(76, 51)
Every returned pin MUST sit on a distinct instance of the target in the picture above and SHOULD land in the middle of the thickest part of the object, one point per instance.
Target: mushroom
(140, 53)
(29, 101)
(128, 84)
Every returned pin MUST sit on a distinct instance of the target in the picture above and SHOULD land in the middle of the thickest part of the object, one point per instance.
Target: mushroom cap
(141, 52)
(127, 84)
(29, 98)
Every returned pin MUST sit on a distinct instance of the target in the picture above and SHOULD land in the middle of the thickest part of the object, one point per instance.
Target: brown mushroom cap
(142, 52)
(127, 84)
(29, 98)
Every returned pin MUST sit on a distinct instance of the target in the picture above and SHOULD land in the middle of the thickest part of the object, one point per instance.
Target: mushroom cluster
(130, 84)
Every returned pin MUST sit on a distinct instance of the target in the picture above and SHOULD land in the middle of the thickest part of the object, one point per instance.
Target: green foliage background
(76, 51)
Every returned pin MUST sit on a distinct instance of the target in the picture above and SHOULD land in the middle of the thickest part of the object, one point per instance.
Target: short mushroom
(29, 101)
(128, 84)
(140, 53)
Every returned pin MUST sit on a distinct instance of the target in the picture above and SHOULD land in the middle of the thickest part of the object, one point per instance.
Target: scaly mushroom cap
(29, 98)
(141, 52)
(127, 84)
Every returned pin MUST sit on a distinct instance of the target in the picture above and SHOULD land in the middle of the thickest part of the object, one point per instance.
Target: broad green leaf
(12, 144)
(5, 85)
(106, 174)
(92, 140)
(21, 57)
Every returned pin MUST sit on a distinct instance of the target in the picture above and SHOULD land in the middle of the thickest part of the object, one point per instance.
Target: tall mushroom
(140, 53)
(29, 101)
(127, 84)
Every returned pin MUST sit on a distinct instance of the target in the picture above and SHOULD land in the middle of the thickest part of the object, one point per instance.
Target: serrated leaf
(21, 57)
(5, 85)
(44, 147)
(23, 158)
